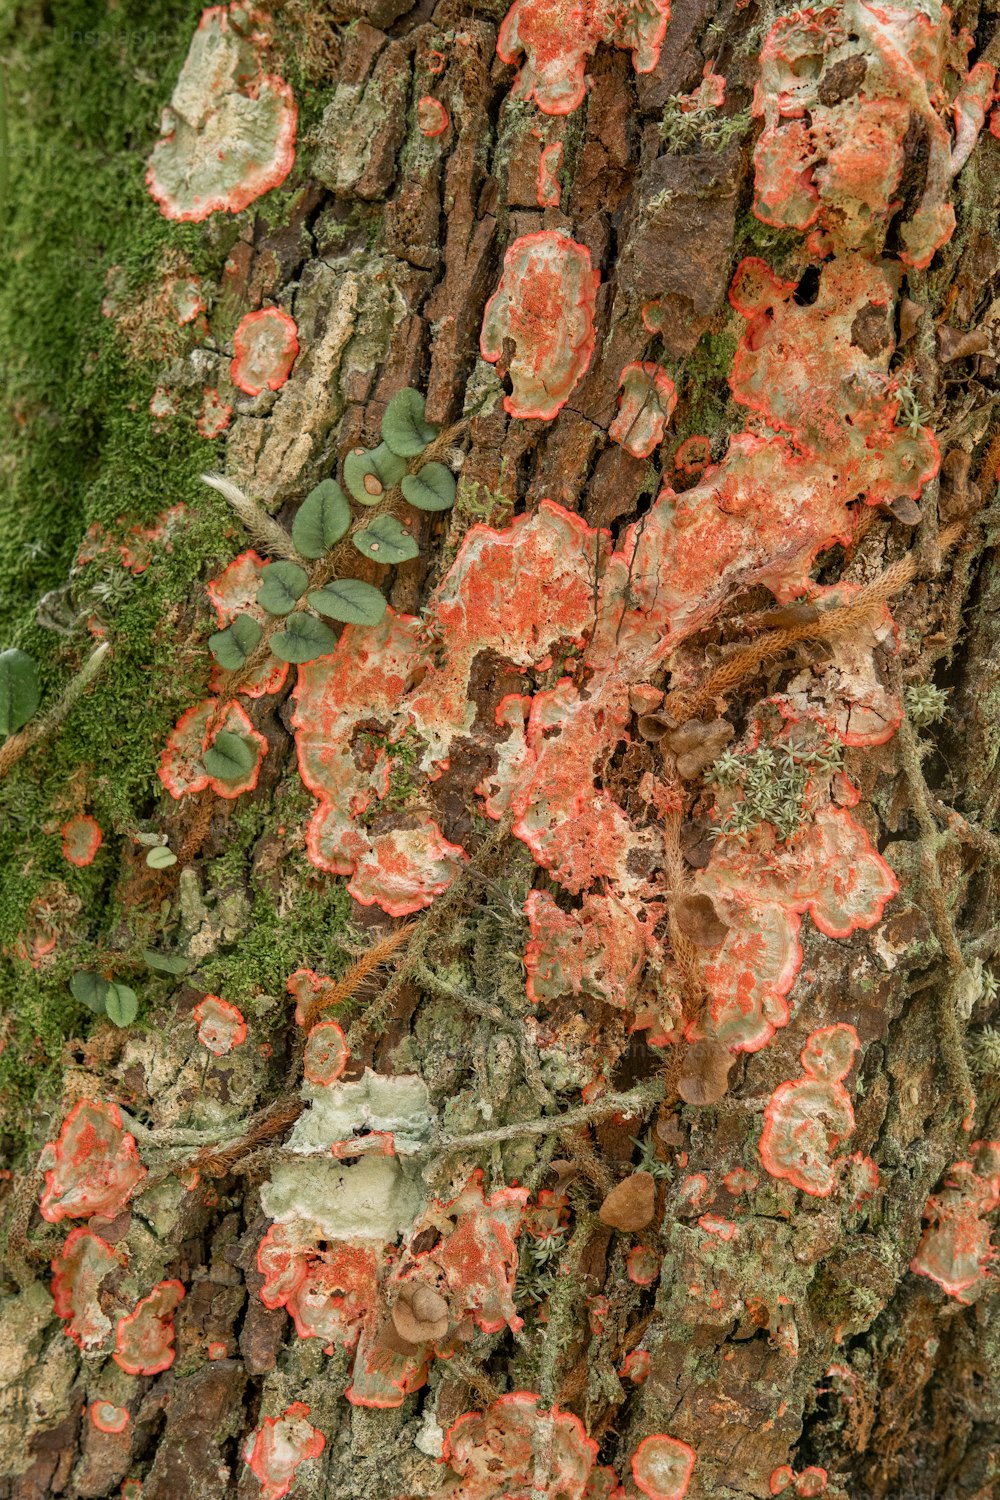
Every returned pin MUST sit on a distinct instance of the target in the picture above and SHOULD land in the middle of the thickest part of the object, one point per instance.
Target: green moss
(77, 446)
(781, 248)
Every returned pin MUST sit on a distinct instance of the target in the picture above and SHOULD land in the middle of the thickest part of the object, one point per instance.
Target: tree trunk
(644, 853)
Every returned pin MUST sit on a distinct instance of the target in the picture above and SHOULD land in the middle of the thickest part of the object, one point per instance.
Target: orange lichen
(279, 1446)
(266, 345)
(557, 36)
(221, 1026)
(543, 310)
(144, 1343)
(81, 839)
(93, 1168)
(807, 1118)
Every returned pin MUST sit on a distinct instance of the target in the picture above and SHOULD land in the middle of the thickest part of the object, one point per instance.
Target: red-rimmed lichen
(433, 118)
(514, 1448)
(144, 1341)
(544, 310)
(647, 400)
(107, 1417)
(93, 1168)
(810, 1116)
(326, 1053)
(662, 1467)
(234, 592)
(265, 346)
(78, 1273)
(557, 36)
(221, 1026)
(279, 1446)
(214, 414)
(838, 92)
(955, 1249)
(228, 134)
(81, 839)
(181, 769)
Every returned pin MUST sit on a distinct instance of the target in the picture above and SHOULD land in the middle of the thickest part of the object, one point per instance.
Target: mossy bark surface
(804, 1339)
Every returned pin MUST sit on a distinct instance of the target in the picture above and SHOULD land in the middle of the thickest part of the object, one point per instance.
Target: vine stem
(19, 744)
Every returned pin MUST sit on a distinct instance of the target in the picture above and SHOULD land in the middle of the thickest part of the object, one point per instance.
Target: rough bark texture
(782, 1327)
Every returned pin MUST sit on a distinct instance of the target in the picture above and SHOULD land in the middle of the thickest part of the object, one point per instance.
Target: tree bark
(780, 1322)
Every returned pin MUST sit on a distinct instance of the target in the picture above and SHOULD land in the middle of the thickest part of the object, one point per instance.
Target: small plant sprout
(772, 781)
(925, 704)
(121, 1003)
(200, 752)
(322, 520)
(20, 693)
(650, 1161)
(161, 858)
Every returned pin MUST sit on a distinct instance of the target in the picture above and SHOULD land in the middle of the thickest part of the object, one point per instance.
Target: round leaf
(369, 475)
(303, 639)
(430, 488)
(90, 989)
(19, 690)
(165, 963)
(321, 520)
(404, 428)
(350, 600)
(161, 858)
(232, 646)
(386, 541)
(121, 1004)
(282, 583)
(229, 758)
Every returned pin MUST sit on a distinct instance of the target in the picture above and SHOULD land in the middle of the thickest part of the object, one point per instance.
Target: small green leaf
(321, 520)
(166, 963)
(90, 989)
(430, 488)
(404, 428)
(386, 541)
(161, 858)
(229, 758)
(350, 600)
(232, 646)
(19, 690)
(303, 639)
(121, 1004)
(282, 583)
(369, 475)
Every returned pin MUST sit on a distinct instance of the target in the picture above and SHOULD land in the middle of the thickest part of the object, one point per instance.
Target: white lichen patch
(372, 1199)
(339, 1111)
